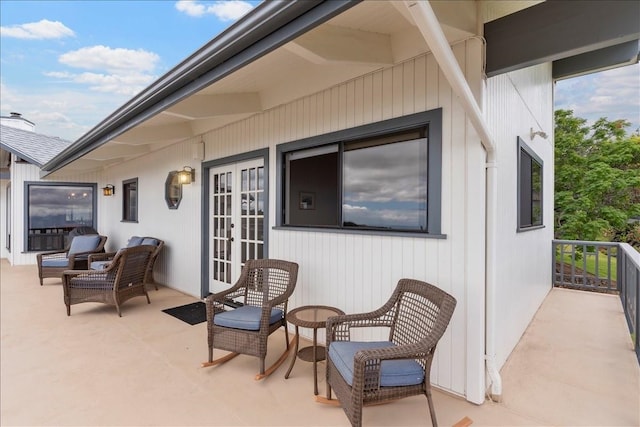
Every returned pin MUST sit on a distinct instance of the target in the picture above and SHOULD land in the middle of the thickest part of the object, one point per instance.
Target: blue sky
(66, 65)
(614, 94)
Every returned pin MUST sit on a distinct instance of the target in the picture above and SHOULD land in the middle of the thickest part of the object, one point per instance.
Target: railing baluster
(573, 264)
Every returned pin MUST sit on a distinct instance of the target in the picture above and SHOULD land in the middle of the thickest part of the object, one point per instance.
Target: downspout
(430, 28)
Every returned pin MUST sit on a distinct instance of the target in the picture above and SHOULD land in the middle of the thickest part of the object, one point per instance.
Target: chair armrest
(82, 254)
(218, 300)
(367, 363)
(407, 351)
(74, 273)
(108, 256)
(52, 254)
(338, 327)
(233, 292)
(88, 276)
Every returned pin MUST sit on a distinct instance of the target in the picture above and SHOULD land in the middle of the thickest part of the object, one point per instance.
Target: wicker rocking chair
(263, 288)
(361, 373)
(122, 280)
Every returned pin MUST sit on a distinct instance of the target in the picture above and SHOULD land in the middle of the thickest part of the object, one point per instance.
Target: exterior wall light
(109, 190)
(537, 133)
(187, 175)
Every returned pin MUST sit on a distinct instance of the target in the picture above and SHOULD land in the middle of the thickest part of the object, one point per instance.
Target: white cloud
(43, 29)
(348, 207)
(118, 71)
(113, 60)
(190, 7)
(124, 84)
(614, 94)
(223, 10)
(62, 111)
(229, 10)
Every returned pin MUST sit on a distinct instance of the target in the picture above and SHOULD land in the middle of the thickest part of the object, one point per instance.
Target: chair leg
(68, 310)
(271, 369)
(286, 337)
(356, 415)
(432, 411)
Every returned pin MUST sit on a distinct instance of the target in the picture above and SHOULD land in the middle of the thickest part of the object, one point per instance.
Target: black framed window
(380, 177)
(54, 209)
(130, 200)
(530, 188)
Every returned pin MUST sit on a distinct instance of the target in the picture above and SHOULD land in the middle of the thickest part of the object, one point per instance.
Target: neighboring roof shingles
(33, 147)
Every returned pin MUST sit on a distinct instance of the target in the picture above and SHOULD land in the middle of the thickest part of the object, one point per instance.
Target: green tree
(597, 179)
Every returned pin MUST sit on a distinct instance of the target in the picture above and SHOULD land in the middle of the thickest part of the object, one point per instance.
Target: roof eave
(265, 28)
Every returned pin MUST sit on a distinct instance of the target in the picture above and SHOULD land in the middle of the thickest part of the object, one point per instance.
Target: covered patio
(574, 365)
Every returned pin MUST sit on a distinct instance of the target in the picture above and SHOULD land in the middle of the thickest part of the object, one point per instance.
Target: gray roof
(33, 147)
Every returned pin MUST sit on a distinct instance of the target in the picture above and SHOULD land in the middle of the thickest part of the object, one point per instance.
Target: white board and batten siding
(351, 271)
(358, 272)
(20, 173)
(178, 265)
(517, 102)
(4, 253)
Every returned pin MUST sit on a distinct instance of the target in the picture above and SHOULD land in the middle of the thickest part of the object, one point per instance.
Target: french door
(236, 220)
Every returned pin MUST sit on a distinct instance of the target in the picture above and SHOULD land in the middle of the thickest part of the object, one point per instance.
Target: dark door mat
(193, 313)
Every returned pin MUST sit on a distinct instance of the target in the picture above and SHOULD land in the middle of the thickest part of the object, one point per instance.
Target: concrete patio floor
(574, 366)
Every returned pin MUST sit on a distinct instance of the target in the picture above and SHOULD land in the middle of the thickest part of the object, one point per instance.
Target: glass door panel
(236, 220)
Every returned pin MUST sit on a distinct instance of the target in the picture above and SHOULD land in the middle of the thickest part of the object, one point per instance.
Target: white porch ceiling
(370, 36)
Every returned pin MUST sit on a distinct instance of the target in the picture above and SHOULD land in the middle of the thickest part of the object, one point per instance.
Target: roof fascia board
(557, 29)
(23, 156)
(598, 60)
(267, 27)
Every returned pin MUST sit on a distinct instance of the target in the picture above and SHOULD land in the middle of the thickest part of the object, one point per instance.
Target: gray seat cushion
(392, 372)
(134, 241)
(97, 281)
(246, 317)
(149, 241)
(99, 265)
(55, 262)
(84, 244)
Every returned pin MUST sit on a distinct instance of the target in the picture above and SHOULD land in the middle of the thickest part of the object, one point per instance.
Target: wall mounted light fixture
(538, 133)
(187, 175)
(109, 190)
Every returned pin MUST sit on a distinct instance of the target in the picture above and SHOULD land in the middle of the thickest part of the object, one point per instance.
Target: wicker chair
(263, 289)
(73, 257)
(123, 279)
(101, 261)
(360, 373)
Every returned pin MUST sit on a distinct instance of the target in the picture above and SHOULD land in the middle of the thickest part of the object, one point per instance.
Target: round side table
(313, 317)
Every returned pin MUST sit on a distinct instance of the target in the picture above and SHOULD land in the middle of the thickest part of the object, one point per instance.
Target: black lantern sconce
(187, 175)
(109, 190)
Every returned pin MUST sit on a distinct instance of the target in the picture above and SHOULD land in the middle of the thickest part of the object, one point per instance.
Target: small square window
(130, 200)
(530, 188)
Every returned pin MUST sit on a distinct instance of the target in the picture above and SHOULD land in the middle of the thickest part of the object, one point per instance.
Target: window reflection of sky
(386, 186)
(60, 206)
